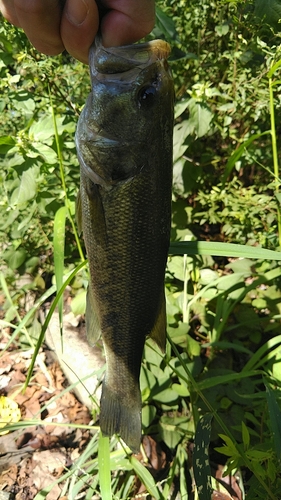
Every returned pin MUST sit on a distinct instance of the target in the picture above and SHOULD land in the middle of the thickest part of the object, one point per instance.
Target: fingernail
(77, 11)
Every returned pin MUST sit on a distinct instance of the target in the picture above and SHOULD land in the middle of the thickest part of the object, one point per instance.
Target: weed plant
(219, 386)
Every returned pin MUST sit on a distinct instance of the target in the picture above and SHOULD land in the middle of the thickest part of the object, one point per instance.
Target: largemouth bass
(124, 145)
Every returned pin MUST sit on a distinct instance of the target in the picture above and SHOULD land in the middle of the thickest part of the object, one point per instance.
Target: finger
(79, 26)
(41, 22)
(8, 11)
(127, 21)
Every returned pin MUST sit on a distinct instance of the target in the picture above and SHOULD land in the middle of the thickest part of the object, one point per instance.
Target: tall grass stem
(274, 153)
(62, 176)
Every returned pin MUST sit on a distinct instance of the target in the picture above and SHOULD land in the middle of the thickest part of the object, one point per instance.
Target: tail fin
(121, 416)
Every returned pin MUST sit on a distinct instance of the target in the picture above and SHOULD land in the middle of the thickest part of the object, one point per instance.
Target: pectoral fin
(95, 223)
(78, 212)
(93, 328)
(158, 333)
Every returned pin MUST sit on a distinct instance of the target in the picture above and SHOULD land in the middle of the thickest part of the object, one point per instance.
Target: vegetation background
(217, 391)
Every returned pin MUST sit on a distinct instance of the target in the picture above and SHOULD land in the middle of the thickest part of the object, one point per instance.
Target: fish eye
(147, 95)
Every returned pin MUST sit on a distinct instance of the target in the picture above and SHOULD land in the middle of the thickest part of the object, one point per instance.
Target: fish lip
(157, 49)
(126, 57)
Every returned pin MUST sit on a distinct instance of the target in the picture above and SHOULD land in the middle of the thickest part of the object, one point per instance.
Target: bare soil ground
(32, 458)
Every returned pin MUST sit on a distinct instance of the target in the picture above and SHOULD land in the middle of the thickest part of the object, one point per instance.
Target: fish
(124, 141)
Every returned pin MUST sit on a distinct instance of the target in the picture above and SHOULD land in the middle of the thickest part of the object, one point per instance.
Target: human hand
(55, 25)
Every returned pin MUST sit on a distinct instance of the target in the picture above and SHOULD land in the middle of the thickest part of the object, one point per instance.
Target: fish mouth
(116, 60)
(95, 136)
(98, 135)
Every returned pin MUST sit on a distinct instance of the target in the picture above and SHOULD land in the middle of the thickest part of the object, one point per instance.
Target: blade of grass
(274, 144)
(227, 345)
(59, 240)
(62, 176)
(84, 465)
(48, 318)
(259, 354)
(6, 292)
(169, 480)
(238, 153)
(104, 467)
(222, 250)
(23, 424)
(21, 326)
(146, 478)
(224, 379)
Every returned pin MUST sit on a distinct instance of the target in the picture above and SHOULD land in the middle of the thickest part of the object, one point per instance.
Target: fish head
(131, 99)
(127, 84)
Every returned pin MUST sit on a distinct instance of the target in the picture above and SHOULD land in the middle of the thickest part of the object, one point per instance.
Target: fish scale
(124, 211)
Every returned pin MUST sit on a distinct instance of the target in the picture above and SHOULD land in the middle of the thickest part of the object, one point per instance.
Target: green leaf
(224, 450)
(180, 107)
(7, 140)
(200, 117)
(181, 132)
(165, 24)
(23, 101)
(181, 390)
(167, 396)
(46, 152)
(147, 382)
(6, 143)
(78, 303)
(222, 29)
(238, 153)
(230, 445)
(269, 11)
(170, 435)
(259, 455)
(201, 466)
(148, 415)
(17, 258)
(27, 188)
(278, 198)
(42, 129)
(207, 276)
